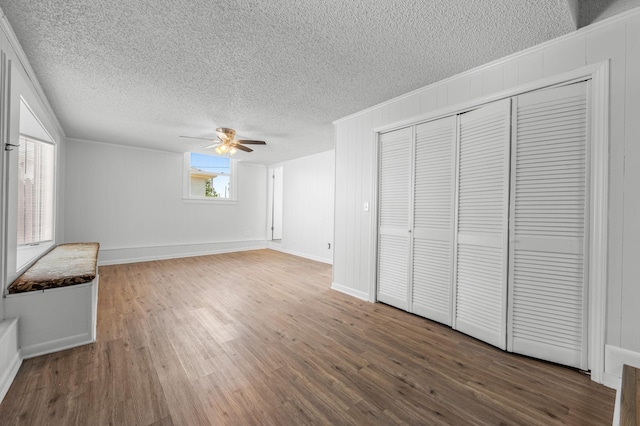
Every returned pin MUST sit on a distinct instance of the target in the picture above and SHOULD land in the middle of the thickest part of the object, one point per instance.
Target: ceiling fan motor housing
(225, 133)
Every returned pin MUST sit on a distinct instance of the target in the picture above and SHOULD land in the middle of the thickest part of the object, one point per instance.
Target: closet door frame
(598, 73)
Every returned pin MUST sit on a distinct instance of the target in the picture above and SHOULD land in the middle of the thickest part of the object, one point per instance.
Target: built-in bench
(56, 300)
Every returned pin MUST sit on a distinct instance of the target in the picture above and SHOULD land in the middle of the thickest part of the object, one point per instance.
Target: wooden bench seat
(65, 265)
(56, 300)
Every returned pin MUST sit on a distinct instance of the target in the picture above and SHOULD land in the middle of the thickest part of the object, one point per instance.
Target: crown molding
(538, 47)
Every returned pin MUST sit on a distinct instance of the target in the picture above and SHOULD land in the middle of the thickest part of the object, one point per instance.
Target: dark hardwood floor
(259, 338)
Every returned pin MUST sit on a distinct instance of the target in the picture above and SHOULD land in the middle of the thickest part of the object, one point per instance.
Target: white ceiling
(144, 72)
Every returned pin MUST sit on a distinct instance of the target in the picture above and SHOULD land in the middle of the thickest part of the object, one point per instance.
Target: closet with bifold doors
(483, 218)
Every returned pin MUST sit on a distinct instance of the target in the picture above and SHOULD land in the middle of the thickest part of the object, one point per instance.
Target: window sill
(209, 201)
(26, 254)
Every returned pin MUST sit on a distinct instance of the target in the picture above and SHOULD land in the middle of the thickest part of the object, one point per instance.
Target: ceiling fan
(226, 142)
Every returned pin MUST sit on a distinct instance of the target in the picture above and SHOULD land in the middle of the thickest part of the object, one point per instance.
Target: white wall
(307, 226)
(21, 84)
(616, 39)
(130, 201)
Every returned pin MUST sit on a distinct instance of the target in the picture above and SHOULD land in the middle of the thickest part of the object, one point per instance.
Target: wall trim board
(57, 345)
(278, 247)
(274, 245)
(122, 255)
(5, 26)
(539, 47)
(599, 219)
(588, 71)
(284, 162)
(121, 145)
(611, 381)
(10, 359)
(598, 73)
(615, 357)
(351, 292)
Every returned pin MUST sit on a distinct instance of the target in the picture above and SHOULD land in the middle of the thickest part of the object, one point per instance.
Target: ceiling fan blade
(213, 145)
(193, 137)
(243, 148)
(250, 142)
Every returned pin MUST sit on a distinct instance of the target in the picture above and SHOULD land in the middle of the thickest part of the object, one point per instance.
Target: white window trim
(186, 183)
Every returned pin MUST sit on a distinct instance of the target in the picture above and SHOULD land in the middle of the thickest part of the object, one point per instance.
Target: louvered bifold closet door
(482, 217)
(434, 189)
(549, 217)
(394, 217)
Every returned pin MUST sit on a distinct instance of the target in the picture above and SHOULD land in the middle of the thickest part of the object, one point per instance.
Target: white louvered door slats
(547, 273)
(434, 188)
(394, 217)
(482, 223)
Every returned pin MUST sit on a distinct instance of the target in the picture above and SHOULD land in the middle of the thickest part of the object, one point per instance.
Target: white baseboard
(10, 359)
(614, 358)
(274, 245)
(115, 256)
(278, 247)
(52, 346)
(351, 292)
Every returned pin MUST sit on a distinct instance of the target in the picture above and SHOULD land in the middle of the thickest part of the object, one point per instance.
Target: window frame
(26, 254)
(186, 182)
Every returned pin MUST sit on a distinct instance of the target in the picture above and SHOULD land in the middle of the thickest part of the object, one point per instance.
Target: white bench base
(54, 319)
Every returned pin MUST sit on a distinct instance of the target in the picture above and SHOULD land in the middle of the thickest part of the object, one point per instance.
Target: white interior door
(5, 64)
(433, 219)
(548, 261)
(277, 200)
(395, 200)
(482, 223)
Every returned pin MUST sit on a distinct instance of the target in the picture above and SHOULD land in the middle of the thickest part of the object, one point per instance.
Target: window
(35, 191)
(33, 164)
(209, 178)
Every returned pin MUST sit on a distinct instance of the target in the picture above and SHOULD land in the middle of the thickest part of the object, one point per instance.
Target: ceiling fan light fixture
(226, 143)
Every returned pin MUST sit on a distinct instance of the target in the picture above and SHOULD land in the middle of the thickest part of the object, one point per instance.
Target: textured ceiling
(144, 72)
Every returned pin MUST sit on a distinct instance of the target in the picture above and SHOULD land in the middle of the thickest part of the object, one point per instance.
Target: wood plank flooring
(259, 338)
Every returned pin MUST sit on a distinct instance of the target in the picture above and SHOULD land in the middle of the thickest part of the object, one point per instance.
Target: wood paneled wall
(616, 39)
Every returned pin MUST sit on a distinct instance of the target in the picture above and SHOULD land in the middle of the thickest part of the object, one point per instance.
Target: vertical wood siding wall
(616, 39)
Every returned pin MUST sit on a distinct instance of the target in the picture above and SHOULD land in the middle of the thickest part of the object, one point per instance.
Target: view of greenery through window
(209, 176)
